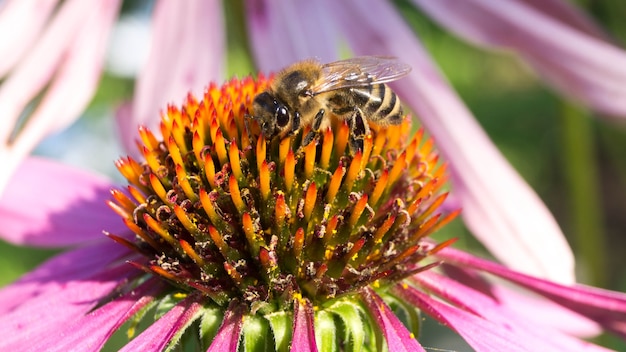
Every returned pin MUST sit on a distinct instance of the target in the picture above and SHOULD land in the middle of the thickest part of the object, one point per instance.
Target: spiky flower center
(218, 209)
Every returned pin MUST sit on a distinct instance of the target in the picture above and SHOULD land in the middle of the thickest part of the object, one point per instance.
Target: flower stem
(582, 182)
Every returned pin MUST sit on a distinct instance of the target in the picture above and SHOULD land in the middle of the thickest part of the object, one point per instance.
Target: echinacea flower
(233, 242)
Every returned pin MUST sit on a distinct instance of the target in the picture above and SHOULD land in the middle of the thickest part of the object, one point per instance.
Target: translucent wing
(360, 71)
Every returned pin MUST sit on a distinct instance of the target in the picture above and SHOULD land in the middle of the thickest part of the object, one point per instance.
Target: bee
(307, 93)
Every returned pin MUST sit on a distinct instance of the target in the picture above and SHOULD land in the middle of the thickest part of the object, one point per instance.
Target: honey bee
(307, 93)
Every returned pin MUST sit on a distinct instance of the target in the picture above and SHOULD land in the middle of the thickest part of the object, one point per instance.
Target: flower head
(227, 216)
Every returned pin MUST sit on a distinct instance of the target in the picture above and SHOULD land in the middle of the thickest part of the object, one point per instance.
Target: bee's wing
(360, 71)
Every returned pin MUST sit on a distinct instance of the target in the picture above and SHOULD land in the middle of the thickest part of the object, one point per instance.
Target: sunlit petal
(72, 299)
(92, 330)
(38, 209)
(69, 59)
(608, 308)
(285, 31)
(26, 17)
(582, 66)
(187, 52)
(159, 334)
(502, 211)
(479, 311)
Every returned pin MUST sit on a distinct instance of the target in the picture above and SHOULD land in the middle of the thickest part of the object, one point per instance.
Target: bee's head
(271, 113)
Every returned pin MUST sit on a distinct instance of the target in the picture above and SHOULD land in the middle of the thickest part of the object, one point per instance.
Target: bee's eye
(282, 116)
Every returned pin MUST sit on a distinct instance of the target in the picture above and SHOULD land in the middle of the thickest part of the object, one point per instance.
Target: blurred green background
(575, 160)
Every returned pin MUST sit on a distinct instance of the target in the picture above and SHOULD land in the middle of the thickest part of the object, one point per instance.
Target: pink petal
(608, 308)
(52, 205)
(187, 53)
(567, 13)
(71, 300)
(528, 307)
(159, 334)
(502, 211)
(227, 337)
(303, 336)
(481, 323)
(26, 17)
(578, 64)
(51, 277)
(397, 336)
(92, 330)
(285, 31)
(69, 60)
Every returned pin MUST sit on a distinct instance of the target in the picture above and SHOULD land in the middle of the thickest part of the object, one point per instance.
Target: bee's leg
(295, 123)
(358, 130)
(315, 127)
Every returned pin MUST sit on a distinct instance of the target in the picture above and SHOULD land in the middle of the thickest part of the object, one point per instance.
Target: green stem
(579, 166)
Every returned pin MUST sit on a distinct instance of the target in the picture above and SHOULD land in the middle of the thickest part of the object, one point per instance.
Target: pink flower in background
(227, 249)
(52, 58)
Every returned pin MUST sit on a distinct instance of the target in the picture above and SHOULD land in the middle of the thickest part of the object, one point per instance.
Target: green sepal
(352, 319)
(183, 332)
(326, 332)
(257, 334)
(210, 322)
(281, 324)
(137, 318)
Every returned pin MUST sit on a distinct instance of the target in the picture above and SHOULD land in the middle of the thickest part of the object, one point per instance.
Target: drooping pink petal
(91, 331)
(484, 325)
(582, 66)
(52, 276)
(494, 197)
(608, 308)
(26, 17)
(69, 60)
(227, 337)
(158, 335)
(53, 205)
(303, 335)
(528, 307)
(567, 13)
(285, 31)
(187, 53)
(397, 336)
(73, 298)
